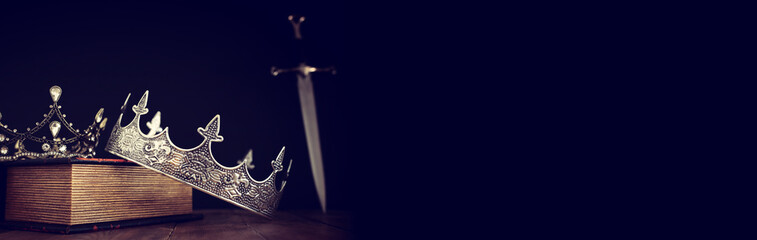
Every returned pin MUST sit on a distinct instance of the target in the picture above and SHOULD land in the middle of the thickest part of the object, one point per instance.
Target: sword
(307, 105)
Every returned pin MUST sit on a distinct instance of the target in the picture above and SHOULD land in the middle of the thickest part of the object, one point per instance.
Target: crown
(81, 145)
(196, 166)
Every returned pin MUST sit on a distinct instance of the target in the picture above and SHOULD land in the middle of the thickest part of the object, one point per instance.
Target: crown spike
(141, 107)
(212, 130)
(276, 164)
(154, 125)
(248, 157)
(289, 167)
(123, 108)
(247, 160)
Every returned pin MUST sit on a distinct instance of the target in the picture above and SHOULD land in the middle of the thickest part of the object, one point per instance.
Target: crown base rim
(269, 216)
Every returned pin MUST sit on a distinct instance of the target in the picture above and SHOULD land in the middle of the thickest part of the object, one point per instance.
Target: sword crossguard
(302, 69)
(296, 21)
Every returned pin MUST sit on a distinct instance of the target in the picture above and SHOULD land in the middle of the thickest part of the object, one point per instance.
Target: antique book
(85, 194)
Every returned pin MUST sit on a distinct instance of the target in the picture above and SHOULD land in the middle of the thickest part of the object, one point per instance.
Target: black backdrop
(197, 60)
(202, 59)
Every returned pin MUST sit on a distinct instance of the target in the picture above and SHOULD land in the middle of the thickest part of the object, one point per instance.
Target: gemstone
(102, 124)
(55, 128)
(3, 150)
(99, 115)
(62, 148)
(2, 138)
(55, 93)
(45, 147)
(1, 116)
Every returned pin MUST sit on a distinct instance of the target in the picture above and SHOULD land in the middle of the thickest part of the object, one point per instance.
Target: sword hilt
(296, 21)
(302, 69)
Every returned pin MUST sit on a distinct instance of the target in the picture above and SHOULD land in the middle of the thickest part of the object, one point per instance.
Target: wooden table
(224, 224)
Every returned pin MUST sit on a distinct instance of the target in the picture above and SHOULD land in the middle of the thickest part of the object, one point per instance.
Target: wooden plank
(160, 231)
(224, 224)
(285, 225)
(216, 224)
(338, 219)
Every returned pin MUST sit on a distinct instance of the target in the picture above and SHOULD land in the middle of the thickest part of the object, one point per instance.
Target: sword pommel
(296, 21)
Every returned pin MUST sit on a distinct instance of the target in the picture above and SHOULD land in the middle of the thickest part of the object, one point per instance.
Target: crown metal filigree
(196, 166)
(82, 144)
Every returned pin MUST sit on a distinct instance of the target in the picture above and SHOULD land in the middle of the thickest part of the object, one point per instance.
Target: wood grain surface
(224, 224)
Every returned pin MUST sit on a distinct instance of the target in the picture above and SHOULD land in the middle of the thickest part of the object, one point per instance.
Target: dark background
(201, 59)
(197, 60)
(561, 94)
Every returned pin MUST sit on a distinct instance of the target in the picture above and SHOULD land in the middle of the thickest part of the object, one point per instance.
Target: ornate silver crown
(196, 166)
(82, 144)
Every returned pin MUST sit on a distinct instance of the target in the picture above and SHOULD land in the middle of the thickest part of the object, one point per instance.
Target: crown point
(247, 160)
(276, 164)
(55, 93)
(289, 167)
(123, 107)
(212, 129)
(141, 107)
(154, 125)
(143, 100)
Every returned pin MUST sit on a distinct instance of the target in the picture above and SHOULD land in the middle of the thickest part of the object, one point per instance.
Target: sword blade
(307, 105)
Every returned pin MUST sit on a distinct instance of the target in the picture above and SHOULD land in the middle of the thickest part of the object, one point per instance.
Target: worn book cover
(78, 194)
